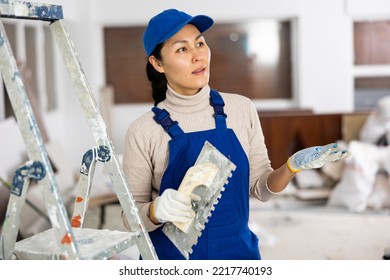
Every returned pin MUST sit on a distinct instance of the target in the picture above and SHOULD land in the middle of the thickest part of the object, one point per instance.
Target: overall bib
(226, 235)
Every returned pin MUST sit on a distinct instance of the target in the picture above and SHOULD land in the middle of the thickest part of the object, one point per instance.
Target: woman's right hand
(172, 206)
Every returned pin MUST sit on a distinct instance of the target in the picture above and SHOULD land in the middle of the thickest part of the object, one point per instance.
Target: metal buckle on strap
(218, 109)
(167, 122)
(164, 119)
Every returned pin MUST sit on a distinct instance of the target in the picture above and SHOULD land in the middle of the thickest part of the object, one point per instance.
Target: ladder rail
(100, 133)
(30, 170)
(35, 147)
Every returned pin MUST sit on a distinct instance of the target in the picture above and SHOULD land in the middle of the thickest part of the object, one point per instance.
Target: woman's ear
(156, 64)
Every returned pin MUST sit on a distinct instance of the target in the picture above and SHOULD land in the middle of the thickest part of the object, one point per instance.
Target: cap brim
(201, 22)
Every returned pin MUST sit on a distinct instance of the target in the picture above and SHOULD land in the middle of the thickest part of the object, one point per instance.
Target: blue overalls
(226, 235)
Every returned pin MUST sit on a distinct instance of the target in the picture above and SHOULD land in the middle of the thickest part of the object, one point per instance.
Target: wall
(323, 53)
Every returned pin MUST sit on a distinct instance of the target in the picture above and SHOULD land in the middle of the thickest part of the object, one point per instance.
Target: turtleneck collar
(187, 103)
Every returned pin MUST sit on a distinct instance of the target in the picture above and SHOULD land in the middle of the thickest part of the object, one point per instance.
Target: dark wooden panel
(287, 133)
(371, 42)
(125, 63)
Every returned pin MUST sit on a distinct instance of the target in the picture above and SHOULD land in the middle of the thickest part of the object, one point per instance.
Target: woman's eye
(183, 49)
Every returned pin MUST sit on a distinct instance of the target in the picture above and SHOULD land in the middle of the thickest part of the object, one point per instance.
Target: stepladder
(66, 239)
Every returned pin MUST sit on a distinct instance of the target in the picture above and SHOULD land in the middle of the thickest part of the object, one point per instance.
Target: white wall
(323, 51)
(325, 57)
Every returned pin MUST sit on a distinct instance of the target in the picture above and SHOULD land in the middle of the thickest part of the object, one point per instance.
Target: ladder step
(93, 244)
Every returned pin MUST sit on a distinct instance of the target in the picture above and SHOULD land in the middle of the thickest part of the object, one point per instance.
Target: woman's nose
(196, 55)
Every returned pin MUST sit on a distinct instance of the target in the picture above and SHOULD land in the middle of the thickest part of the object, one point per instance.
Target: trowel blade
(210, 189)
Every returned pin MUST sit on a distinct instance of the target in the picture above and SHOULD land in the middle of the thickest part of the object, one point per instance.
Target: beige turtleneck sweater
(146, 151)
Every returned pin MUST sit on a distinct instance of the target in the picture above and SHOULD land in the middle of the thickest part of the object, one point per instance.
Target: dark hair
(157, 80)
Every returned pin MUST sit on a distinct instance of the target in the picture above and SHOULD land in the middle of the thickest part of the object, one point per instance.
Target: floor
(319, 233)
(291, 230)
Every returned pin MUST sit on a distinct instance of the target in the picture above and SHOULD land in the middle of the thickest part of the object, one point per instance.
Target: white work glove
(173, 206)
(316, 157)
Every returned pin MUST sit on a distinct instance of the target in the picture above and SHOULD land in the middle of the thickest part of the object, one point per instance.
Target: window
(32, 46)
(372, 62)
(125, 64)
(251, 58)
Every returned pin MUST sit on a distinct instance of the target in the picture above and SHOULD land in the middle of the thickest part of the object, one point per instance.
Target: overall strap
(217, 102)
(162, 117)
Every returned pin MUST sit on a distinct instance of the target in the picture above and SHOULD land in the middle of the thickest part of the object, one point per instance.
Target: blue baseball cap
(167, 23)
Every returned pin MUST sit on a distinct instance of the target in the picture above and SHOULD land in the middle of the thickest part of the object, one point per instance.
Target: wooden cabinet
(287, 132)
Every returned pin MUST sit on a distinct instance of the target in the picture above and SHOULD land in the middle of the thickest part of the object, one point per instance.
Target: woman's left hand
(316, 157)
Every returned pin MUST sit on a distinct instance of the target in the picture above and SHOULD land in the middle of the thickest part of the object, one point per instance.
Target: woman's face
(185, 61)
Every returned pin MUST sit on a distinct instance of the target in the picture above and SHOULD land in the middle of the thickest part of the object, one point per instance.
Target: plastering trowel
(205, 182)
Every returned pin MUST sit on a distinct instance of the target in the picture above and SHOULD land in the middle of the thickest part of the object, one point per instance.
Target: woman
(163, 144)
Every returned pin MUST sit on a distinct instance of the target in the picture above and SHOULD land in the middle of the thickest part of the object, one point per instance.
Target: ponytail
(157, 80)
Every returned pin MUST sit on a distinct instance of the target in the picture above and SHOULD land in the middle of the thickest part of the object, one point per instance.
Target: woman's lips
(199, 71)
